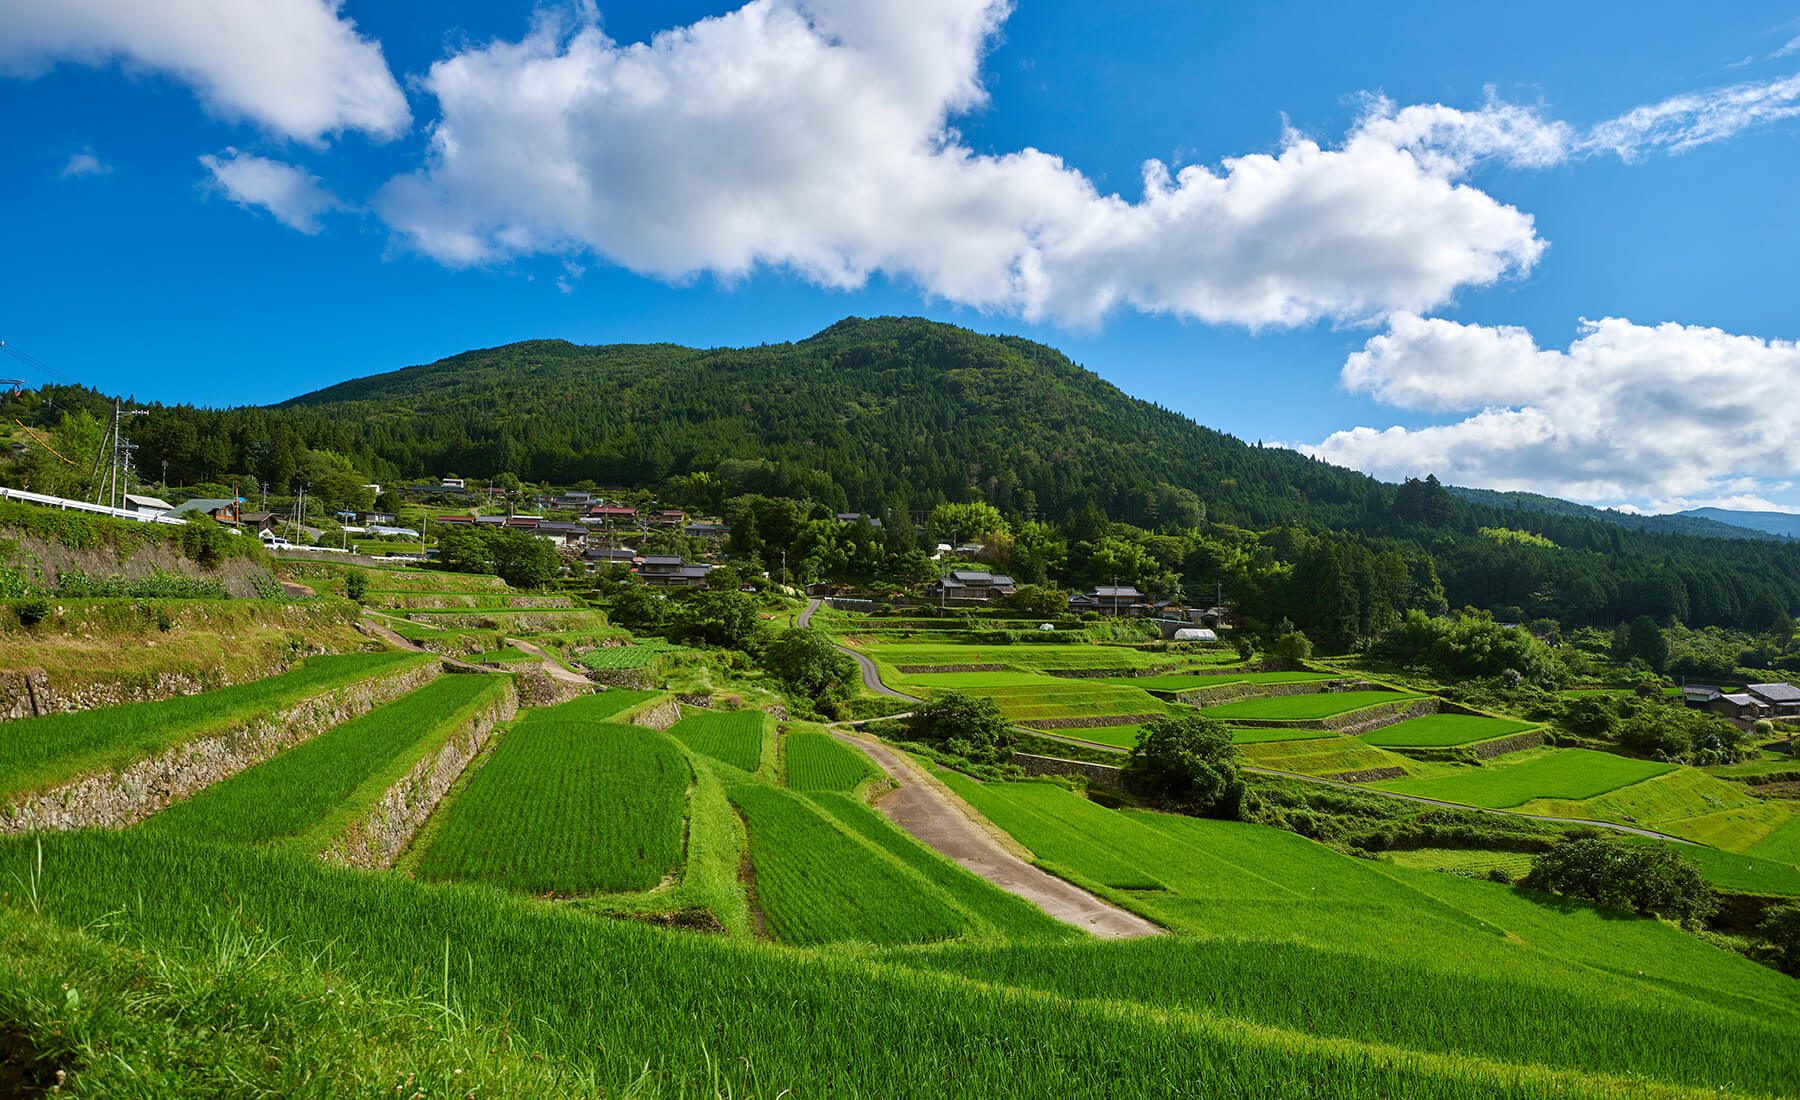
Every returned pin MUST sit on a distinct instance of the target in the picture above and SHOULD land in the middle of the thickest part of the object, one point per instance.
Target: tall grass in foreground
(567, 807)
(38, 751)
(705, 1015)
(288, 794)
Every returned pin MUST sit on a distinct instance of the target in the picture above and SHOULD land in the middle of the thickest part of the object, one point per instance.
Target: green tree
(636, 607)
(1187, 762)
(727, 619)
(806, 662)
(1649, 643)
(1646, 879)
(1781, 927)
(1292, 646)
(969, 726)
(524, 561)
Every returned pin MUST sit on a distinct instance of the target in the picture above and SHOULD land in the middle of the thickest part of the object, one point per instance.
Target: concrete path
(551, 665)
(377, 628)
(871, 676)
(929, 814)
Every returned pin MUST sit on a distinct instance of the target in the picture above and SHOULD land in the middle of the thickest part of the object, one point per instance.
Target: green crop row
(733, 736)
(286, 796)
(820, 762)
(35, 752)
(818, 884)
(1299, 708)
(1573, 774)
(566, 806)
(1444, 731)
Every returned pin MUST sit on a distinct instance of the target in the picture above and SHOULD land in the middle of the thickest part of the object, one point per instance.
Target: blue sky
(1537, 246)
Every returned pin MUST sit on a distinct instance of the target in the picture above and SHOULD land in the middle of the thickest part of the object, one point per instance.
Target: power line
(36, 364)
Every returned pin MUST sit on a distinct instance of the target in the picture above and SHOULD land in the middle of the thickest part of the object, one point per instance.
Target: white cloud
(814, 136)
(1683, 122)
(85, 163)
(293, 66)
(1629, 412)
(294, 195)
(1792, 47)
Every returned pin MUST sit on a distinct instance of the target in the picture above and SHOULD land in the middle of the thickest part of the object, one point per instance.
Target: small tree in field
(1187, 762)
(1649, 880)
(969, 726)
(806, 662)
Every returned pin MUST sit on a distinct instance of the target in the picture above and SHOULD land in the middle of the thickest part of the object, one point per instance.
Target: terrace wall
(1227, 693)
(114, 800)
(657, 716)
(1098, 775)
(374, 841)
(1356, 721)
(1107, 673)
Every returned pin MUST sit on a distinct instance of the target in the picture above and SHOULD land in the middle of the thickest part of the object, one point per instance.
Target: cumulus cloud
(84, 163)
(1669, 413)
(295, 67)
(293, 195)
(815, 136)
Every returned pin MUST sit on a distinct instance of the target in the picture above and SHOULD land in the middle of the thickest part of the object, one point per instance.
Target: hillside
(1784, 524)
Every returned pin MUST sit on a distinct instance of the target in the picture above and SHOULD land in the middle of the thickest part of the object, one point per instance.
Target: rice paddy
(1572, 774)
(1783, 843)
(1179, 682)
(733, 736)
(1444, 731)
(820, 762)
(35, 752)
(1329, 755)
(1301, 708)
(566, 806)
(286, 797)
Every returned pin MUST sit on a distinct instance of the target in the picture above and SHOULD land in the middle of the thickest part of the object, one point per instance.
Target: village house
(224, 510)
(659, 571)
(970, 584)
(561, 533)
(852, 517)
(1783, 700)
(711, 532)
(1739, 705)
(1110, 600)
(146, 505)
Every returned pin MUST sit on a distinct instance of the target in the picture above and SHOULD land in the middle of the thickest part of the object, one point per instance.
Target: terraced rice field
(624, 657)
(36, 752)
(1024, 655)
(734, 736)
(1571, 774)
(1444, 731)
(1024, 703)
(1179, 682)
(816, 883)
(1749, 872)
(1684, 801)
(1257, 735)
(603, 705)
(1299, 708)
(566, 806)
(1783, 843)
(1328, 755)
(820, 762)
(287, 797)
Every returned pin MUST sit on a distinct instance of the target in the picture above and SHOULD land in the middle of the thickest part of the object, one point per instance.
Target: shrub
(969, 726)
(32, 610)
(356, 585)
(1292, 646)
(1647, 880)
(1187, 762)
(1781, 927)
(807, 663)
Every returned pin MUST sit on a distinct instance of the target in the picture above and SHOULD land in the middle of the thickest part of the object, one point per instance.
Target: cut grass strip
(567, 807)
(284, 797)
(36, 752)
(733, 736)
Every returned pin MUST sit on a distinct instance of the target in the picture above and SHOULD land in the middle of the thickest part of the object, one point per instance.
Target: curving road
(871, 676)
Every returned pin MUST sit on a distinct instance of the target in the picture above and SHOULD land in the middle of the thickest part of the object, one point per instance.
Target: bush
(1292, 646)
(1781, 927)
(356, 585)
(1648, 880)
(806, 662)
(1187, 762)
(32, 610)
(969, 726)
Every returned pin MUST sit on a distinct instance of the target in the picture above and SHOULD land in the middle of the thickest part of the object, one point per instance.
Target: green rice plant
(1747, 872)
(600, 706)
(1004, 912)
(1684, 801)
(733, 736)
(1261, 1009)
(284, 797)
(820, 762)
(1327, 755)
(1044, 818)
(1179, 682)
(37, 752)
(626, 657)
(1263, 734)
(1567, 774)
(1783, 843)
(816, 883)
(567, 806)
(1296, 708)
(1444, 731)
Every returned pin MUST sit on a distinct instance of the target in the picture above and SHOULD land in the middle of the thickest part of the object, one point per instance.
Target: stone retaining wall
(702, 699)
(637, 679)
(1088, 723)
(659, 716)
(1501, 746)
(113, 800)
(1367, 775)
(375, 840)
(538, 688)
(1227, 693)
(1098, 775)
(28, 694)
(916, 670)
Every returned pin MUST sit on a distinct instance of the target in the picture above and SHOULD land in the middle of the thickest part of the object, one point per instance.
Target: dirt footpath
(929, 814)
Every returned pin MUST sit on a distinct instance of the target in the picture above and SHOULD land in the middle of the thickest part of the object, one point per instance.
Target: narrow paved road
(379, 629)
(871, 676)
(551, 666)
(920, 808)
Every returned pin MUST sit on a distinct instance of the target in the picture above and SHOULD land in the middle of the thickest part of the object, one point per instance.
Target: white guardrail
(68, 505)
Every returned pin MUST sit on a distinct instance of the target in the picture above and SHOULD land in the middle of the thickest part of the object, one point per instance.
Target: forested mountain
(1712, 523)
(893, 415)
(1784, 524)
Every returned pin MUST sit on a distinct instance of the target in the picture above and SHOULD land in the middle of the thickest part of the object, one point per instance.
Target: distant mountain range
(1716, 523)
